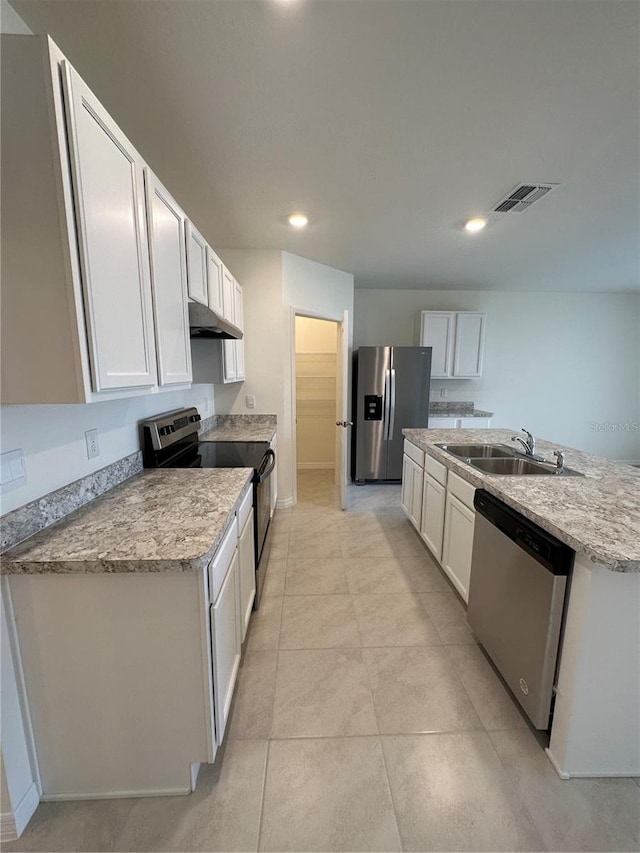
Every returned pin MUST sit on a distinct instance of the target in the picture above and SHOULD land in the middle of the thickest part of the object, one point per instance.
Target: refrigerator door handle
(392, 405)
(387, 404)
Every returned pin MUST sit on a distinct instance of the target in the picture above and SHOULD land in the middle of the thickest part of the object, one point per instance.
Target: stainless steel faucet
(529, 445)
(559, 454)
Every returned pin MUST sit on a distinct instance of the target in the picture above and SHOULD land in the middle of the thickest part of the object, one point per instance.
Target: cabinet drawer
(461, 489)
(437, 470)
(219, 566)
(414, 453)
(245, 509)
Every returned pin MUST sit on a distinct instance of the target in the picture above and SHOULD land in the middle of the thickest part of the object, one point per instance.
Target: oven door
(262, 517)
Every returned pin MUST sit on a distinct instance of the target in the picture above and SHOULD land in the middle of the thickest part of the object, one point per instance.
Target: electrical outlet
(250, 401)
(206, 405)
(93, 447)
(443, 392)
(13, 470)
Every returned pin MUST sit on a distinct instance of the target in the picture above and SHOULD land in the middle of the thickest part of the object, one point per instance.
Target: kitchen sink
(478, 451)
(502, 459)
(518, 466)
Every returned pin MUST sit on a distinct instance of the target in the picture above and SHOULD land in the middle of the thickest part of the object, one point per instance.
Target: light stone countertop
(597, 515)
(239, 432)
(460, 413)
(168, 520)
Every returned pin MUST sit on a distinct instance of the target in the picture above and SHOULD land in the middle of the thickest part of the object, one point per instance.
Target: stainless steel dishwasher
(517, 591)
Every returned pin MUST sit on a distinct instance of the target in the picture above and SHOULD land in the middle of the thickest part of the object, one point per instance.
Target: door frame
(339, 318)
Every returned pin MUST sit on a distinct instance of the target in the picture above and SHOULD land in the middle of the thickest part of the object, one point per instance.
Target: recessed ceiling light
(298, 220)
(476, 224)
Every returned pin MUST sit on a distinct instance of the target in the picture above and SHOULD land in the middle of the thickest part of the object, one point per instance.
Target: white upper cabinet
(169, 283)
(436, 331)
(109, 202)
(215, 268)
(469, 345)
(196, 265)
(239, 321)
(457, 340)
(228, 295)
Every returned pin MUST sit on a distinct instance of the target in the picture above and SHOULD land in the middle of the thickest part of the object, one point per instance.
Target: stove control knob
(193, 419)
(171, 428)
(163, 431)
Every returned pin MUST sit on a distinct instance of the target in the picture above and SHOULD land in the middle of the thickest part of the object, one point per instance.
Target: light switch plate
(250, 401)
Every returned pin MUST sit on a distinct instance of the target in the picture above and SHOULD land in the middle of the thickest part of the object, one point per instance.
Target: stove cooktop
(231, 454)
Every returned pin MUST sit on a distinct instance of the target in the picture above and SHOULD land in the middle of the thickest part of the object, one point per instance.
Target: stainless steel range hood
(205, 323)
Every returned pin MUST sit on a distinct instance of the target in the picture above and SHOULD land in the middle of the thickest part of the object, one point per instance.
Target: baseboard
(324, 466)
(118, 795)
(555, 765)
(608, 774)
(285, 503)
(12, 824)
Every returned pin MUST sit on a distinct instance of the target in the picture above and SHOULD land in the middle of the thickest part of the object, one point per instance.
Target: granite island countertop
(597, 515)
(161, 520)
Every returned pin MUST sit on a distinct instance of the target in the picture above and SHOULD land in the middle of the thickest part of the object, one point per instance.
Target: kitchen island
(127, 622)
(596, 723)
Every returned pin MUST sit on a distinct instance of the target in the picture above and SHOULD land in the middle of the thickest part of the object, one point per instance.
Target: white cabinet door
(407, 485)
(109, 200)
(411, 499)
(169, 283)
(214, 268)
(273, 479)
(437, 331)
(469, 345)
(228, 295)
(247, 564)
(226, 641)
(233, 351)
(196, 265)
(229, 361)
(458, 544)
(239, 321)
(433, 507)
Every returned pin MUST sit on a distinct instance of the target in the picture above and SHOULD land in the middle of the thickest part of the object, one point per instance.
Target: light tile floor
(365, 718)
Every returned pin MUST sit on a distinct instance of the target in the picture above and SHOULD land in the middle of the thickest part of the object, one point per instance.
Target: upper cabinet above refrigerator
(457, 340)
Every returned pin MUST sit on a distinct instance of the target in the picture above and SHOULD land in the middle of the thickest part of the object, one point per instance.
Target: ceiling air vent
(522, 197)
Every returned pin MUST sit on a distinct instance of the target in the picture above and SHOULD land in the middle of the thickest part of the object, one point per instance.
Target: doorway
(316, 366)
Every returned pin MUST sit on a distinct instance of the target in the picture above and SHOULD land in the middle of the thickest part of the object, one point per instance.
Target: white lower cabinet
(226, 645)
(433, 509)
(458, 544)
(247, 562)
(412, 490)
(439, 504)
(273, 480)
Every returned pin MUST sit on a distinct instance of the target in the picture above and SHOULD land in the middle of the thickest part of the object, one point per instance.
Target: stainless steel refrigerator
(391, 393)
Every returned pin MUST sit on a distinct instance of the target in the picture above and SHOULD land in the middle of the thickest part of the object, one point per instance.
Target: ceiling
(390, 122)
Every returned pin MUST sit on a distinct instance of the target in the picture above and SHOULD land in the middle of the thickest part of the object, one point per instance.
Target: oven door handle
(262, 475)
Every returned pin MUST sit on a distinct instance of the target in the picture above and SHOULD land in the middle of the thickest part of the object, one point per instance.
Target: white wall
(276, 283)
(555, 363)
(53, 441)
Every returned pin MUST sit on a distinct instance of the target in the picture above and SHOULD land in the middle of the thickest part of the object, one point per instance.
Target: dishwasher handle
(550, 552)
